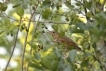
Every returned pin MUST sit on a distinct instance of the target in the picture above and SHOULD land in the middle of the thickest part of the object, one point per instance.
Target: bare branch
(35, 28)
(51, 22)
(25, 42)
(47, 38)
(103, 4)
(14, 45)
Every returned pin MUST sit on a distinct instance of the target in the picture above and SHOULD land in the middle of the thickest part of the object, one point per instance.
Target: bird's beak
(49, 32)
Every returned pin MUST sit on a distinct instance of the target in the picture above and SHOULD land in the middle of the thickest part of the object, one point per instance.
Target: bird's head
(53, 33)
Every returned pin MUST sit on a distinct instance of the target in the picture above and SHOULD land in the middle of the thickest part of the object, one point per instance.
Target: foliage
(28, 23)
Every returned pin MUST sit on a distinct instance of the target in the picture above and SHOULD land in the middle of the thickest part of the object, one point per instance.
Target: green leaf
(78, 3)
(3, 7)
(37, 56)
(55, 27)
(89, 5)
(95, 31)
(7, 21)
(58, 53)
(25, 5)
(53, 55)
(103, 15)
(46, 4)
(28, 57)
(46, 13)
(32, 45)
(20, 12)
(76, 30)
(32, 2)
(16, 5)
(46, 62)
(54, 65)
(85, 63)
(94, 45)
(61, 63)
(69, 68)
(68, 4)
(72, 55)
(87, 54)
(50, 62)
(34, 65)
(62, 33)
(82, 26)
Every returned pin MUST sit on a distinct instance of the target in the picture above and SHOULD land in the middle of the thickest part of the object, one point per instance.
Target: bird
(64, 40)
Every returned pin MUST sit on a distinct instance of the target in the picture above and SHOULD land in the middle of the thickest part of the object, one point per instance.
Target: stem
(47, 38)
(14, 45)
(48, 21)
(103, 5)
(23, 53)
(35, 28)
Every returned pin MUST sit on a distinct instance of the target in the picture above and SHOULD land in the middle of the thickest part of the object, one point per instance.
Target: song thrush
(64, 39)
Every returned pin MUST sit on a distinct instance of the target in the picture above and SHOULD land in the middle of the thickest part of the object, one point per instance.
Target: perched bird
(64, 40)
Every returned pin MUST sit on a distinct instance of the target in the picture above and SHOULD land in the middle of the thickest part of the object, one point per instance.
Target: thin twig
(47, 38)
(85, 10)
(23, 53)
(14, 45)
(52, 22)
(35, 28)
(103, 4)
(102, 67)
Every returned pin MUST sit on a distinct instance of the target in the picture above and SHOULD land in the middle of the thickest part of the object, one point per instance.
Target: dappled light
(52, 35)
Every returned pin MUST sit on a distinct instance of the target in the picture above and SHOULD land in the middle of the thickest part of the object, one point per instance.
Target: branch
(103, 4)
(6, 16)
(47, 38)
(51, 22)
(14, 45)
(85, 10)
(102, 67)
(35, 28)
(23, 53)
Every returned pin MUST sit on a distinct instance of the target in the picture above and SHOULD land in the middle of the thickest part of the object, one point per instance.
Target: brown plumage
(64, 39)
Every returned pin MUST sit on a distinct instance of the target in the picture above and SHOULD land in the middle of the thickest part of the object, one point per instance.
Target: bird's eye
(53, 32)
